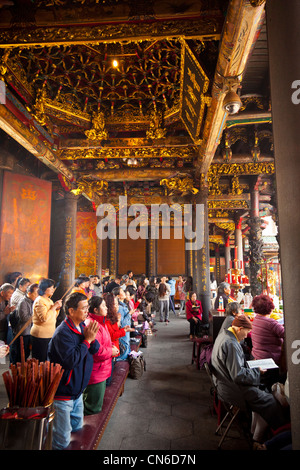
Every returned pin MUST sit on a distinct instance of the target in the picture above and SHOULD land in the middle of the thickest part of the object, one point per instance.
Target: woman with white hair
(224, 293)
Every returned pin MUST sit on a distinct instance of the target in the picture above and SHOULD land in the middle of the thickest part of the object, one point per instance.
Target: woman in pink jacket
(267, 336)
(94, 393)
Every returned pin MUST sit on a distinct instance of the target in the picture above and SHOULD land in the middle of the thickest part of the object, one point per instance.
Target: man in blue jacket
(72, 346)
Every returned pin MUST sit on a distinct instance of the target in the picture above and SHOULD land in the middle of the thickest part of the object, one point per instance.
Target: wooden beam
(242, 24)
(203, 28)
(132, 174)
(30, 140)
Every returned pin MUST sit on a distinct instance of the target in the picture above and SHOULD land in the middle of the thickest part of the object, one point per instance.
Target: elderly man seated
(236, 383)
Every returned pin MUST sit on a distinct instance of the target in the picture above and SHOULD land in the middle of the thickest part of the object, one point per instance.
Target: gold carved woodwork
(203, 28)
(218, 239)
(90, 188)
(39, 109)
(227, 169)
(230, 226)
(98, 131)
(236, 189)
(155, 130)
(218, 214)
(228, 204)
(213, 185)
(257, 100)
(255, 151)
(182, 185)
(184, 152)
(226, 151)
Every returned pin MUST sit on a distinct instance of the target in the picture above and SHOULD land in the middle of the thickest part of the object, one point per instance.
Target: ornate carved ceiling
(109, 128)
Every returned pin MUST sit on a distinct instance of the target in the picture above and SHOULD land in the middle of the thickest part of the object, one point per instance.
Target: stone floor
(170, 407)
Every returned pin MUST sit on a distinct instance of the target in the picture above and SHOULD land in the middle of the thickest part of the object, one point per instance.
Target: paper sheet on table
(263, 364)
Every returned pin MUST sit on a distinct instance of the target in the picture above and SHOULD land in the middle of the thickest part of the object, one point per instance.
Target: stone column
(201, 257)
(255, 242)
(63, 243)
(283, 29)
(227, 254)
(99, 257)
(113, 243)
(239, 240)
(151, 256)
(218, 266)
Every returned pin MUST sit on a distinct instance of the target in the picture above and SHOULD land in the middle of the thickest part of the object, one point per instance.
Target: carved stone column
(151, 258)
(227, 254)
(113, 243)
(201, 257)
(239, 239)
(218, 266)
(255, 242)
(63, 243)
(99, 257)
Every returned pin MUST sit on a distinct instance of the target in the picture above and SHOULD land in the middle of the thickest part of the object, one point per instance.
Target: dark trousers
(40, 348)
(15, 350)
(172, 304)
(108, 381)
(194, 327)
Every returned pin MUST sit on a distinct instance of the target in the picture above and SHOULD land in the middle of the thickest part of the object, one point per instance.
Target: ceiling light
(115, 63)
(232, 102)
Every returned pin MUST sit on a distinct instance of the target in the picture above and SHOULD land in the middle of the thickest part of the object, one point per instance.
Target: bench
(198, 344)
(90, 435)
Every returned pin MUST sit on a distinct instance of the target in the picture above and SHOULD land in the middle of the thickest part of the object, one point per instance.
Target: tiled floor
(170, 407)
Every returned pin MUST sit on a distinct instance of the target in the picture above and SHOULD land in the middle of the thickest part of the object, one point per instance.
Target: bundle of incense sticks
(31, 383)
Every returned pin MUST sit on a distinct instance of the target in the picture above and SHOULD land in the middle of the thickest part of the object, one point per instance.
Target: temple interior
(155, 103)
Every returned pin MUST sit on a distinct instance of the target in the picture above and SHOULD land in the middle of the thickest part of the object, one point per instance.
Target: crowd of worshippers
(87, 333)
(93, 327)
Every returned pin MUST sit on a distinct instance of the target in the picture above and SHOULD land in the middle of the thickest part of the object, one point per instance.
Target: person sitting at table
(224, 293)
(238, 384)
(193, 309)
(267, 338)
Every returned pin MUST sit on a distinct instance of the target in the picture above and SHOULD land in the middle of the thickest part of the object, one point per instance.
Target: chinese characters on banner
(25, 226)
(194, 86)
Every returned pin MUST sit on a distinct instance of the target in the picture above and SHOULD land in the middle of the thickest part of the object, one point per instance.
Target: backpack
(137, 365)
(205, 355)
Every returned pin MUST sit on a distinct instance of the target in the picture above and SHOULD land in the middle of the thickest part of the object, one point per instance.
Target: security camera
(232, 102)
